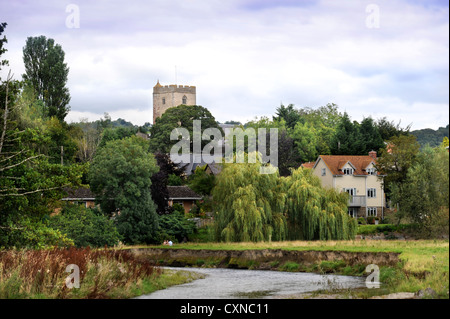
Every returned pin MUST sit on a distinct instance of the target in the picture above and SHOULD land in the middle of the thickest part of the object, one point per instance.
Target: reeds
(42, 273)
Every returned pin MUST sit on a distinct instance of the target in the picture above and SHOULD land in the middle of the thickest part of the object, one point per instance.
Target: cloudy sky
(372, 58)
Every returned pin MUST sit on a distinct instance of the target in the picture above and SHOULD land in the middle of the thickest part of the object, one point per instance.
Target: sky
(246, 57)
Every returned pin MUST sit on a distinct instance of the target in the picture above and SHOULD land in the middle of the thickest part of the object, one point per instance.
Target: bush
(175, 227)
(361, 221)
(85, 226)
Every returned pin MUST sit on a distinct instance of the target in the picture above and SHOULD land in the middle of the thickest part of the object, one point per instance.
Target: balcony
(357, 201)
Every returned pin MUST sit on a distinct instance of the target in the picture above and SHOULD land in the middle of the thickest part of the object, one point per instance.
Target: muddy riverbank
(343, 262)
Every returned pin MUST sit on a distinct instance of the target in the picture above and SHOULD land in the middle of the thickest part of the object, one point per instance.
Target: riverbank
(420, 264)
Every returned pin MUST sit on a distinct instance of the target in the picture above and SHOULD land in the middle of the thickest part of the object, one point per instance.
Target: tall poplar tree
(47, 73)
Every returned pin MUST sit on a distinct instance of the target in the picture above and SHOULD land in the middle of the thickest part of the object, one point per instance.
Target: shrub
(85, 226)
(175, 226)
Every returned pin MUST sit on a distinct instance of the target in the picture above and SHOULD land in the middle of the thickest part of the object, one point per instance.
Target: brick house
(356, 175)
(183, 195)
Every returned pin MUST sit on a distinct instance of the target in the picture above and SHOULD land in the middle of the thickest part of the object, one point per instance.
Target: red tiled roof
(336, 162)
(308, 164)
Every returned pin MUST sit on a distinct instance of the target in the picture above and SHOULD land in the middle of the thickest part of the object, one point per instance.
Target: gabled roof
(335, 163)
(182, 192)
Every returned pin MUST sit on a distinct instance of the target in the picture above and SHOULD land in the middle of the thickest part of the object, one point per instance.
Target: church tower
(168, 96)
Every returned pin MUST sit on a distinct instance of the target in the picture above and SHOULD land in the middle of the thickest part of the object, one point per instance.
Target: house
(356, 175)
(81, 196)
(308, 165)
(182, 195)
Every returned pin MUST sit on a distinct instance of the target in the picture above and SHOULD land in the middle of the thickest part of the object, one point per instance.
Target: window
(371, 212)
(371, 192)
(164, 100)
(324, 171)
(351, 191)
(348, 171)
(184, 100)
(353, 212)
(371, 171)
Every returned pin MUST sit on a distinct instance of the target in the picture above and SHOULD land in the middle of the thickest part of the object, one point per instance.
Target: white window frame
(372, 212)
(371, 171)
(371, 192)
(348, 171)
(351, 191)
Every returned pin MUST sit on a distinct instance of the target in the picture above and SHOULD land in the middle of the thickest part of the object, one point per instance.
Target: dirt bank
(267, 259)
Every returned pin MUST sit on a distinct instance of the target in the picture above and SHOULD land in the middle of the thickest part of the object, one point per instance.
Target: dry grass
(42, 273)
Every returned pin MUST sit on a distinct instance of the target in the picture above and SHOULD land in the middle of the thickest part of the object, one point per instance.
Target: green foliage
(431, 137)
(314, 212)
(174, 180)
(175, 117)
(175, 226)
(247, 205)
(85, 226)
(120, 176)
(251, 206)
(305, 139)
(423, 196)
(396, 159)
(201, 182)
(47, 73)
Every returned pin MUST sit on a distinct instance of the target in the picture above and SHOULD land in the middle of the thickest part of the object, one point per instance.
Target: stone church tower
(168, 96)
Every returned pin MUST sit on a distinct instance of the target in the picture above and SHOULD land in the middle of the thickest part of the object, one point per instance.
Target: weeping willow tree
(314, 212)
(249, 204)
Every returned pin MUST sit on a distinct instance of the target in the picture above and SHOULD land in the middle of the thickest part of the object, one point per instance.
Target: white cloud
(245, 57)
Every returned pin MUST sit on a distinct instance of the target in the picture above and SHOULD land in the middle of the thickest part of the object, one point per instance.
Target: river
(223, 283)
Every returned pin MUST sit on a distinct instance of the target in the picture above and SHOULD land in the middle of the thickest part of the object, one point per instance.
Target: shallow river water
(222, 283)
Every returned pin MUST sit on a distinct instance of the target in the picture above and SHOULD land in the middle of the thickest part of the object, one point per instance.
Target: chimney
(373, 154)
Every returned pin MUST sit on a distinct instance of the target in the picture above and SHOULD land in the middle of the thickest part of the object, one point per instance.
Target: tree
(305, 140)
(120, 177)
(261, 207)
(396, 158)
(201, 182)
(346, 139)
(30, 185)
(289, 114)
(160, 179)
(370, 137)
(176, 117)
(314, 212)
(3, 41)
(247, 205)
(388, 129)
(425, 191)
(85, 226)
(47, 73)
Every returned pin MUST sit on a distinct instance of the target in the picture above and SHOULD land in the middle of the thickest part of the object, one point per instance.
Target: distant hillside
(430, 136)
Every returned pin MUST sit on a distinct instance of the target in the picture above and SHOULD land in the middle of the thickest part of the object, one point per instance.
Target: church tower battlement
(167, 96)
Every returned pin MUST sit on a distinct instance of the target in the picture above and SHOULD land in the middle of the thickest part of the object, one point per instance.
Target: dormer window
(184, 100)
(347, 171)
(371, 171)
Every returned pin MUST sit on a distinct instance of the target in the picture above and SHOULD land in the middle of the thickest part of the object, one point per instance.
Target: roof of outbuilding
(182, 192)
(79, 193)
